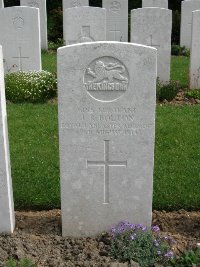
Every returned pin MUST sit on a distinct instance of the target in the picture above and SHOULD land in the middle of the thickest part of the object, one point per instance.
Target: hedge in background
(33, 86)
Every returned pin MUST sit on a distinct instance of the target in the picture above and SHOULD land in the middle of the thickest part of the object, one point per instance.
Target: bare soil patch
(38, 237)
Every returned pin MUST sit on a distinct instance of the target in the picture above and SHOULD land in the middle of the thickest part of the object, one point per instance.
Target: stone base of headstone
(7, 218)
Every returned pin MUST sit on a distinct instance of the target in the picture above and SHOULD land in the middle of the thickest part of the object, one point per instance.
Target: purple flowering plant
(138, 243)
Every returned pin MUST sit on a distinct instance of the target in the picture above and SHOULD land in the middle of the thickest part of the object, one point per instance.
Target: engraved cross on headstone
(190, 23)
(84, 37)
(152, 44)
(20, 57)
(116, 33)
(106, 163)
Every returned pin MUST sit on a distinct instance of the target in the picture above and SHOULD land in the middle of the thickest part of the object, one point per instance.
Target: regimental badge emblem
(75, 3)
(33, 4)
(18, 22)
(106, 79)
(115, 6)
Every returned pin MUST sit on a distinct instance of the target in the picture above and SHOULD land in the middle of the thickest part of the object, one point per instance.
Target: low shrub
(178, 50)
(137, 243)
(167, 91)
(33, 86)
(193, 94)
(21, 263)
(189, 258)
(55, 45)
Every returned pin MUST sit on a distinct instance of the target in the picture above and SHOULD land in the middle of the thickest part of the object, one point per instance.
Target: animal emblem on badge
(106, 79)
(110, 71)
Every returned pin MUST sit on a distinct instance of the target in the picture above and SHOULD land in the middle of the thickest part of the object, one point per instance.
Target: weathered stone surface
(74, 3)
(20, 38)
(155, 3)
(195, 52)
(186, 21)
(106, 131)
(84, 24)
(71, 4)
(41, 4)
(1, 4)
(152, 27)
(7, 219)
(117, 20)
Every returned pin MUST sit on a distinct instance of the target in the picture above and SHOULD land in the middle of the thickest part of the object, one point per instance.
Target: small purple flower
(169, 254)
(159, 252)
(156, 244)
(139, 226)
(171, 240)
(132, 237)
(155, 228)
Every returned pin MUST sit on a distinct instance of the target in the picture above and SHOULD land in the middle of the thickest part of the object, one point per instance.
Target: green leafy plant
(55, 45)
(178, 50)
(55, 24)
(22, 263)
(193, 94)
(33, 86)
(137, 243)
(187, 259)
(167, 91)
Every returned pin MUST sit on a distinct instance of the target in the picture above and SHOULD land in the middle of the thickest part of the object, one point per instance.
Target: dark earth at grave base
(38, 237)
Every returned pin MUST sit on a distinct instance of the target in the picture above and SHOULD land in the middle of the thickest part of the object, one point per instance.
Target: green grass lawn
(33, 140)
(180, 70)
(33, 132)
(49, 61)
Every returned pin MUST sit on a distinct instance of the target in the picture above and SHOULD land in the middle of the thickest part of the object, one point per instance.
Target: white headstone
(195, 52)
(186, 21)
(117, 20)
(84, 24)
(71, 4)
(152, 26)
(7, 218)
(74, 3)
(106, 132)
(1, 4)
(20, 38)
(155, 3)
(41, 4)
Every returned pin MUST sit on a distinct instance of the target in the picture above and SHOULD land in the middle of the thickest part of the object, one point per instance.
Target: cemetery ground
(33, 135)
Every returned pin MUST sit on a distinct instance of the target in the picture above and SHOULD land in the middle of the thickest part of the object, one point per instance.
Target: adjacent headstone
(74, 3)
(152, 27)
(106, 130)
(7, 218)
(20, 38)
(1, 4)
(84, 24)
(41, 4)
(186, 21)
(155, 3)
(117, 20)
(195, 52)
